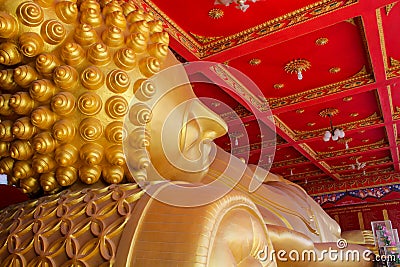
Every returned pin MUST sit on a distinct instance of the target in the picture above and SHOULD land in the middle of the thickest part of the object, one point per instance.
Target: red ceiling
(353, 48)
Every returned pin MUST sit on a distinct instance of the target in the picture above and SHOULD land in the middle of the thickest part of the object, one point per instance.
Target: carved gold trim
(351, 21)
(238, 87)
(283, 163)
(255, 61)
(281, 125)
(376, 145)
(205, 39)
(369, 164)
(309, 150)
(389, 7)
(322, 41)
(328, 112)
(382, 38)
(334, 70)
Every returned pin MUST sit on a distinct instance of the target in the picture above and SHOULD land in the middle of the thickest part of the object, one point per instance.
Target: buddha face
(182, 130)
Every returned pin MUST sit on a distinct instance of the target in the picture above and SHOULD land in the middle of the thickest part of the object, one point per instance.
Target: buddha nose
(212, 126)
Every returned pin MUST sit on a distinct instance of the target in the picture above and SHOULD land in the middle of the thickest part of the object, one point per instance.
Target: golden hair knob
(156, 26)
(92, 78)
(24, 75)
(113, 174)
(8, 26)
(66, 77)
(144, 89)
(63, 103)
(137, 41)
(137, 159)
(7, 80)
(139, 138)
(43, 118)
(139, 114)
(98, 54)
(92, 153)
(66, 155)
(89, 174)
(30, 44)
(66, 175)
(115, 155)
(112, 6)
(90, 129)
(64, 130)
(53, 32)
(4, 149)
(42, 90)
(113, 36)
(125, 58)
(29, 185)
(49, 182)
(67, 11)
(23, 128)
(22, 103)
(116, 19)
(92, 17)
(158, 50)
(9, 54)
(149, 66)
(116, 107)
(140, 27)
(21, 150)
(128, 7)
(160, 37)
(135, 16)
(73, 54)
(118, 81)
(44, 143)
(46, 63)
(6, 165)
(6, 134)
(89, 4)
(23, 169)
(43, 163)
(115, 132)
(85, 35)
(30, 14)
(5, 108)
(89, 103)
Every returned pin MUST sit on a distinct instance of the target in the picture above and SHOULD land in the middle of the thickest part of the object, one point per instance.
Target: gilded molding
(377, 145)
(382, 40)
(238, 87)
(281, 125)
(285, 21)
(205, 39)
(309, 150)
(359, 79)
(371, 163)
(389, 7)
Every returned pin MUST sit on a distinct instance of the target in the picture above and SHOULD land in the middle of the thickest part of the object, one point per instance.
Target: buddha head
(71, 75)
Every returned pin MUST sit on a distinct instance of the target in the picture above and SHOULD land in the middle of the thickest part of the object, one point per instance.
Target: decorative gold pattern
(389, 7)
(334, 70)
(62, 226)
(311, 124)
(355, 114)
(297, 65)
(255, 61)
(328, 112)
(216, 13)
(322, 41)
(345, 140)
(347, 98)
(300, 111)
(286, 20)
(205, 39)
(279, 85)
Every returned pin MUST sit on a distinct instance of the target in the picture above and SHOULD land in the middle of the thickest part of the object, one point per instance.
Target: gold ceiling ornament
(63, 106)
(328, 112)
(355, 114)
(216, 13)
(365, 140)
(347, 98)
(300, 111)
(297, 66)
(279, 85)
(334, 70)
(321, 41)
(205, 39)
(310, 124)
(255, 61)
(389, 7)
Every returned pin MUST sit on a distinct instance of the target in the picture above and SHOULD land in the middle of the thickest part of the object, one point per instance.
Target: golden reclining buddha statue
(124, 160)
